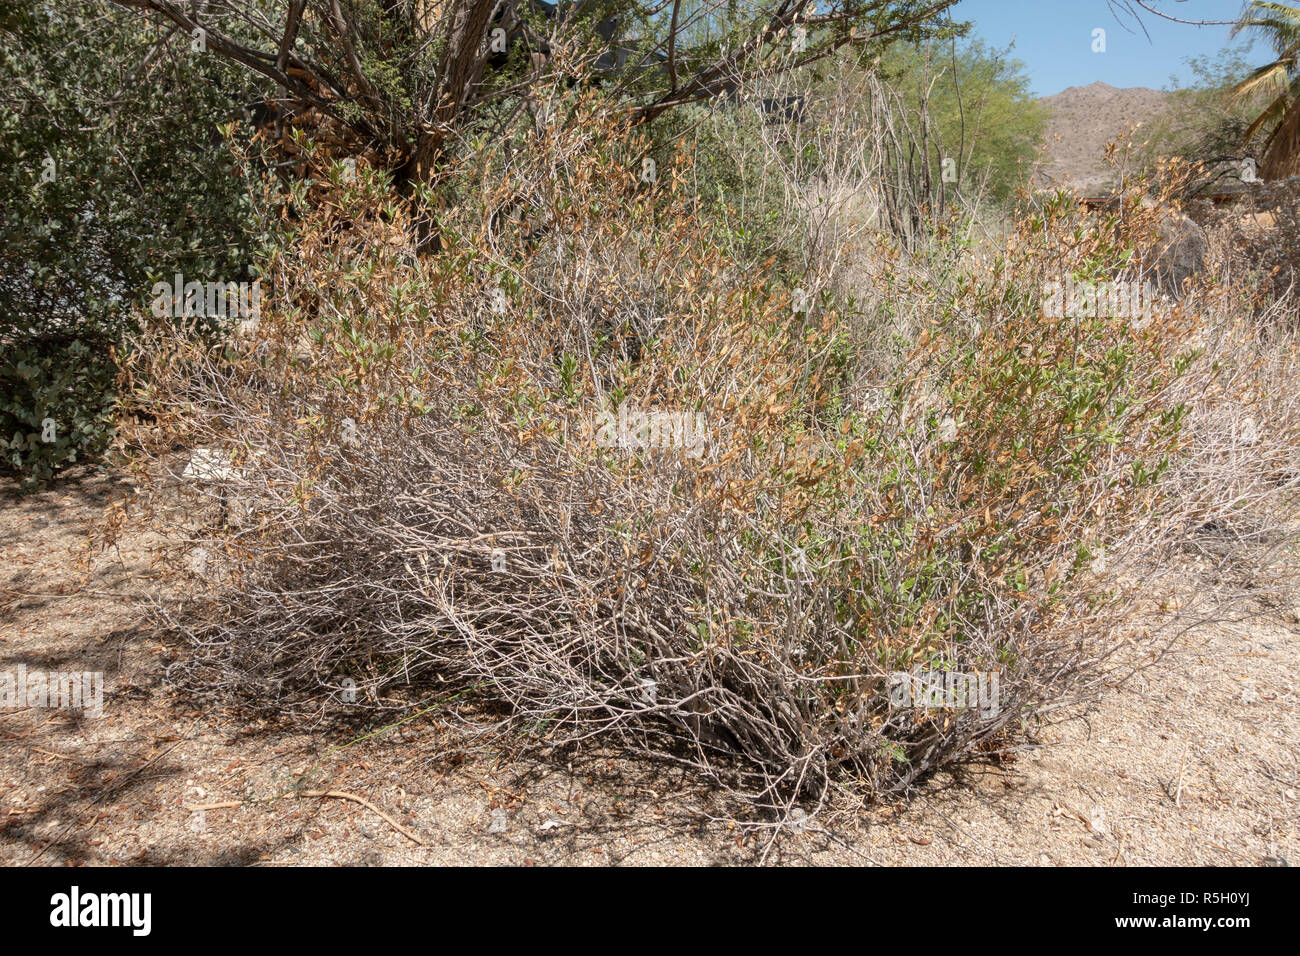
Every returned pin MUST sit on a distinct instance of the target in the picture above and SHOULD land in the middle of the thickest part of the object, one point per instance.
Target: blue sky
(1054, 39)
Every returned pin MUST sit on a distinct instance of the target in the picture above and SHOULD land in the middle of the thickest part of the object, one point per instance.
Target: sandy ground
(1194, 762)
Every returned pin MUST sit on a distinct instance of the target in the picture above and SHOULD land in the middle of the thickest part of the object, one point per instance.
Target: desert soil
(1190, 763)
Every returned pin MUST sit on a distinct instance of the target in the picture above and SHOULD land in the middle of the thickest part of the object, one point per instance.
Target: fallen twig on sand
(323, 794)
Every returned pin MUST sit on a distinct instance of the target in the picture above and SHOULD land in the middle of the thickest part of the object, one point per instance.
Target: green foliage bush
(981, 109)
(1202, 122)
(783, 166)
(56, 405)
(116, 175)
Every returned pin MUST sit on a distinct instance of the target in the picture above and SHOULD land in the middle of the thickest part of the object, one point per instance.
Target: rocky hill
(1083, 120)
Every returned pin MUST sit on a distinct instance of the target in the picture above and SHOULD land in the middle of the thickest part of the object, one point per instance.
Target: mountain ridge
(1082, 120)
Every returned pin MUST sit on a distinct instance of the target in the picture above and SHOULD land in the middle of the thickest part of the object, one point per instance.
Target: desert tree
(398, 80)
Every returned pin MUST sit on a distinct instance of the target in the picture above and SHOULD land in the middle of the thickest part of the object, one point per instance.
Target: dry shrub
(421, 492)
(1255, 243)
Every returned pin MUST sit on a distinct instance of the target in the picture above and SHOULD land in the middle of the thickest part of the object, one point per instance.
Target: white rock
(198, 561)
(948, 429)
(210, 464)
(1097, 820)
(1248, 432)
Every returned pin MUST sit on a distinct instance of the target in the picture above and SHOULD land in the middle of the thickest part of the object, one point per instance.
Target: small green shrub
(56, 405)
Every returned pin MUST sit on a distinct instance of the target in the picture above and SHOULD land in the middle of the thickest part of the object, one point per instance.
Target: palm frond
(1271, 78)
(1279, 23)
(1273, 112)
(1282, 155)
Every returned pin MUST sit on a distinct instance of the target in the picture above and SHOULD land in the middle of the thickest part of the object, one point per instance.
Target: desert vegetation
(648, 416)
